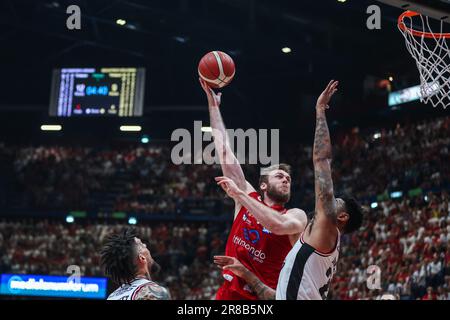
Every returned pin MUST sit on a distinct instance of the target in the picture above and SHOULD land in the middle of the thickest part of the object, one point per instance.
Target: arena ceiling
(329, 39)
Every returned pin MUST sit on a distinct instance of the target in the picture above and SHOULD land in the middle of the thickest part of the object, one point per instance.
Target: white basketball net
(432, 56)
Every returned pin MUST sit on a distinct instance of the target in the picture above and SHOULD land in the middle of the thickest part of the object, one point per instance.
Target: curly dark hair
(118, 256)
(355, 213)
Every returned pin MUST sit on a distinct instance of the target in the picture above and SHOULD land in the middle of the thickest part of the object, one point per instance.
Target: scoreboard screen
(412, 94)
(403, 96)
(84, 92)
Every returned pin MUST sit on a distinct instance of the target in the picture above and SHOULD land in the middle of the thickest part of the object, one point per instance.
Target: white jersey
(128, 291)
(307, 273)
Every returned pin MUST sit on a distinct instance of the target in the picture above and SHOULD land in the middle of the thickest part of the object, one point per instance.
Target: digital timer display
(117, 92)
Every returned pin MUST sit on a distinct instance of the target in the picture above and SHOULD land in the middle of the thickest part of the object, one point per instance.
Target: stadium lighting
(391, 79)
(70, 219)
(341, 1)
(206, 129)
(425, 198)
(286, 50)
(51, 127)
(373, 205)
(121, 22)
(180, 39)
(131, 128)
(145, 139)
(396, 194)
(377, 135)
(132, 220)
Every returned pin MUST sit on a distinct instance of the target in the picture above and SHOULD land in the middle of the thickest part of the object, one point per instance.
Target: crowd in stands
(144, 179)
(406, 242)
(137, 179)
(49, 247)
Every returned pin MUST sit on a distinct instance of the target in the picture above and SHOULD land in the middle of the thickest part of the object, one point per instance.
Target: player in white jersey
(129, 263)
(311, 263)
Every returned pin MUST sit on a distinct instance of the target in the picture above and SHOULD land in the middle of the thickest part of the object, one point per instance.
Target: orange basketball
(216, 68)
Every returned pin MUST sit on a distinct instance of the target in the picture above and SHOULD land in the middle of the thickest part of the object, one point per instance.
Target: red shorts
(225, 292)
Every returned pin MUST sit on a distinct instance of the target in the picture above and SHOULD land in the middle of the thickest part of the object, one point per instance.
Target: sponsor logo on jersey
(246, 219)
(266, 231)
(257, 255)
(228, 277)
(251, 235)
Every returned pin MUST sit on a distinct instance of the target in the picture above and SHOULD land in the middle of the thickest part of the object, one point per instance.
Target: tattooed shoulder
(153, 291)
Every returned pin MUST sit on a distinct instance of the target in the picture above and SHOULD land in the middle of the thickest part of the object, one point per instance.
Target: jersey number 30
(324, 289)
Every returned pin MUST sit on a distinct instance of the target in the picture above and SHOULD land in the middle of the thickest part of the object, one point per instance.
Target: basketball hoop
(431, 52)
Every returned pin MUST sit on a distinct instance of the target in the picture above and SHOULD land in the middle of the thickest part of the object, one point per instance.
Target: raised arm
(325, 201)
(228, 161)
(323, 231)
(263, 291)
(290, 223)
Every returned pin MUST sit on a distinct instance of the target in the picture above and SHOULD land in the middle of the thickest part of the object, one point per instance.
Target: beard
(278, 196)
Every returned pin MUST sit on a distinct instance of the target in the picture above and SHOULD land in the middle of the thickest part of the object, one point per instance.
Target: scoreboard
(84, 92)
(412, 94)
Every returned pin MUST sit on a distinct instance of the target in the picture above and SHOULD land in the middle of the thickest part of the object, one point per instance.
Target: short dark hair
(264, 177)
(355, 212)
(118, 256)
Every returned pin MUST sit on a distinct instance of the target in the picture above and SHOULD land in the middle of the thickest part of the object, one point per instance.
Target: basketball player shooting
(311, 264)
(129, 263)
(263, 230)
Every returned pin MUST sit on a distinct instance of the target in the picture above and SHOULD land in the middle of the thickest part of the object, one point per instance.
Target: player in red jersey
(263, 231)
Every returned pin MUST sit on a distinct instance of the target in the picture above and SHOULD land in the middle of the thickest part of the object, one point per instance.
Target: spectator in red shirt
(430, 295)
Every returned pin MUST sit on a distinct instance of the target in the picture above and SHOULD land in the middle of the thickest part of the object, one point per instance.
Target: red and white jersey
(307, 272)
(128, 291)
(258, 249)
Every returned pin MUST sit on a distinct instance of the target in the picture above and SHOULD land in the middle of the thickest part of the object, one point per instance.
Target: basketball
(216, 68)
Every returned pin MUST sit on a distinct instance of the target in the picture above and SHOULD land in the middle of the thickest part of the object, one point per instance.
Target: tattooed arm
(263, 291)
(323, 229)
(325, 202)
(152, 291)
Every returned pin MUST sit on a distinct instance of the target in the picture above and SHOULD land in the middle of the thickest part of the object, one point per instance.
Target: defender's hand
(324, 98)
(229, 186)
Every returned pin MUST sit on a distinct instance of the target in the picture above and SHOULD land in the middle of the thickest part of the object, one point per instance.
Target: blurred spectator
(143, 179)
(430, 295)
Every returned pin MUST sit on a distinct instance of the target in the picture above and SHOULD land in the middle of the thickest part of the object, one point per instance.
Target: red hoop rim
(417, 33)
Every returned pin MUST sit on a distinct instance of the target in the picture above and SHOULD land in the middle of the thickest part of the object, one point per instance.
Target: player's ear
(263, 186)
(343, 217)
(142, 258)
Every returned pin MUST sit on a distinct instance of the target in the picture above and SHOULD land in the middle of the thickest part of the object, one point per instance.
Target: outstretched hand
(324, 98)
(229, 186)
(213, 98)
